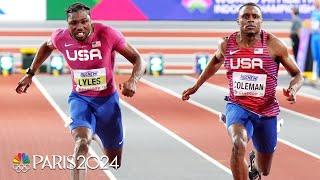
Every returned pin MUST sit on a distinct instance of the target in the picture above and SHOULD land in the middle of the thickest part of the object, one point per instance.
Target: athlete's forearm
(139, 68)
(213, 66)
(42, 54)
(296, 82)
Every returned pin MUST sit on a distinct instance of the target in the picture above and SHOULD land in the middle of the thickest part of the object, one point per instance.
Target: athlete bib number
(93, 79)
(247, 84)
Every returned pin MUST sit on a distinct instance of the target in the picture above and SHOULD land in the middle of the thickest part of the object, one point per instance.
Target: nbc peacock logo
(201, 5)
(21, 163)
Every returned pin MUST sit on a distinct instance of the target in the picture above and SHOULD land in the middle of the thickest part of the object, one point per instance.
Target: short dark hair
(250, 4)
(75, 7)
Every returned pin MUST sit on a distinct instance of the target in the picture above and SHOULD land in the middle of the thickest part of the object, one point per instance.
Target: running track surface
(31, 125)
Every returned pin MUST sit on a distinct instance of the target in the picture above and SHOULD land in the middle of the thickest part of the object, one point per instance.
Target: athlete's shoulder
(113, 37)
(59, 32)
(56, 37)
(276, 46)
(99, 27)
(225, 40)
(107, 31)
(233, 34)
(222, 45)
(273, 40)
(231, 37)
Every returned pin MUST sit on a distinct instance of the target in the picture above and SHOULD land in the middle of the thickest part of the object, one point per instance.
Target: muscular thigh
(109, 123)
(80, 112)
(237, 117)
(265, 134)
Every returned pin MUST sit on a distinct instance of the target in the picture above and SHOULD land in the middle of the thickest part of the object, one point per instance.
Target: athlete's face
(249, 20)
(79, 24)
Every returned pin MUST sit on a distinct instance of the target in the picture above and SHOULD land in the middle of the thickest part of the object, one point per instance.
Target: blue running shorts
(100, 114)
(262, 130)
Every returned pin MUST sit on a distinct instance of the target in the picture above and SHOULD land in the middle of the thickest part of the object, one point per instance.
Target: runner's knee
(238, 146)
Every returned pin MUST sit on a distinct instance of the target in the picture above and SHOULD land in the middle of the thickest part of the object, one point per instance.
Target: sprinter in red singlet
(251, 58)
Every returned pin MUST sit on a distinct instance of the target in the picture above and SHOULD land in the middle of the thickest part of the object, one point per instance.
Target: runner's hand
(128, 88)
(186, 94)
(24, 84)
(290, 94)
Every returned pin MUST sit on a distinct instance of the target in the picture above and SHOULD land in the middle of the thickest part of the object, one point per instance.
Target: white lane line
(317, 120)
(299, 148)
(177, 95)
(175, 136)
(66, 120)
(281, 140)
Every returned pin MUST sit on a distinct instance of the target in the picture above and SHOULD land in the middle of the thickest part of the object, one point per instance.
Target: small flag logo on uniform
(96, 44)
(258, 51)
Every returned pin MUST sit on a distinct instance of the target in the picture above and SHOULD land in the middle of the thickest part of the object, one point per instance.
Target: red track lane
(29, 124)
(194, 33)
(202, 129)
(304, 104)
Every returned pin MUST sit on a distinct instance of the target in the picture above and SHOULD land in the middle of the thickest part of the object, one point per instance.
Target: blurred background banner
(56, 8)
(23, 10)
(178, 9)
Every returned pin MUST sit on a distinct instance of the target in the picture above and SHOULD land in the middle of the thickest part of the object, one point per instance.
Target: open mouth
(80, 34)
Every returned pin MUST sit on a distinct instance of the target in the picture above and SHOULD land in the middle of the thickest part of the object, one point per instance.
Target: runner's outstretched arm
(139, 66)
(213, 66)
(281, 52)
(43, 53)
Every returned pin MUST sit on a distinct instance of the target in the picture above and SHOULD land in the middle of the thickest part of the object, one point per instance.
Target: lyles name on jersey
(246, 63)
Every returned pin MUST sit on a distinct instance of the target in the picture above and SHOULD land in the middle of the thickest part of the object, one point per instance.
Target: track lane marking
(66, 120)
